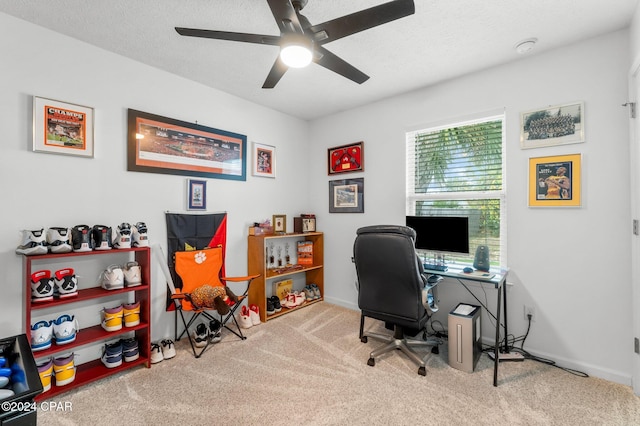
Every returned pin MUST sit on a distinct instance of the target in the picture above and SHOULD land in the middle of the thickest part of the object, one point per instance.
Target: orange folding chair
(204, 291)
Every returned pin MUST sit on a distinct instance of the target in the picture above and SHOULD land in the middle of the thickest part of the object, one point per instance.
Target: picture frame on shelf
(280, 223)
(264, 160)
(304, 223)
(196, 194)
(346, 196)
(555, 181)
(62, 128)
(346, 158)
(553, 125)
(157, 144)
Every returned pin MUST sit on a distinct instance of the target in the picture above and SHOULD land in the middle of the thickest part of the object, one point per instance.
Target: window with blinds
(458, 170)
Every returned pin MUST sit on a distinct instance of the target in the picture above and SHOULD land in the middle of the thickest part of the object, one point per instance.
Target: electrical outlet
(529, 310)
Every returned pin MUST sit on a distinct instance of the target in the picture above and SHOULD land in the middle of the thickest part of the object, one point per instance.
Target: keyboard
(435, 267)
(482, 275)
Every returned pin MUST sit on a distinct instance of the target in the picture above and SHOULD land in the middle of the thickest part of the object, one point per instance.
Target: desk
(498, 281)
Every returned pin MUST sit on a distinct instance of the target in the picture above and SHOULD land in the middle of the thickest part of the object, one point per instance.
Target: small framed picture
(280, 223)
(62, 128)
(196, 194)
(554, 125)
(346, 196)
(264, 160)
(346, 158)
(555, 181)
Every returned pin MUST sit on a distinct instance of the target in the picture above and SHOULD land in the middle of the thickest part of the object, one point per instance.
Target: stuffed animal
(214, 297)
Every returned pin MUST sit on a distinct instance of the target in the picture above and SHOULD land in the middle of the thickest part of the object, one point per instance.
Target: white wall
(43, 190)
(571, 264)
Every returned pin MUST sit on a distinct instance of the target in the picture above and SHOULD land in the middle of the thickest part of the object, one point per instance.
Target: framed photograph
(163, 145)
(555, 181)
(280, 223)
(346, 196)
(346, 158)
(554, 125)
(264, 160)
(62, 128)
(196, 194)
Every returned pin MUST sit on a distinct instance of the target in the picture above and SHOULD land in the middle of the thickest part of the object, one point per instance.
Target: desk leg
(496, 346)
(504, 305)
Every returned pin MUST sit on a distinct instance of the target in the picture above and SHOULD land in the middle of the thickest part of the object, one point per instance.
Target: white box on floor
(465, 347)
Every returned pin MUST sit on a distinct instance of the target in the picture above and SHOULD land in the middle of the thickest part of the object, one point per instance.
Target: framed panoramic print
(346, 196)
(264, 160)
(62, 128)
(555, 181)
(196, 194)
(164, 145)
(346, 158)
(554, 125)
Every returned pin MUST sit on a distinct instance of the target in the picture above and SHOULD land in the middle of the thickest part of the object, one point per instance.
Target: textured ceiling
(443, 39)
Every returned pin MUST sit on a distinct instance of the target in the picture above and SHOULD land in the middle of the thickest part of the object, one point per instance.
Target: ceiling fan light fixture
(297, 52)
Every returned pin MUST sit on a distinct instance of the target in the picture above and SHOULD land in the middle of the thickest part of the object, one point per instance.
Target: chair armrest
(178, 296)
(430, 289)
(240, 279)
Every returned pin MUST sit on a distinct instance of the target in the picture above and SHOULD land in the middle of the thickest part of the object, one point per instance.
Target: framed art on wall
(346, 158)
(554, 125)
(555, 181)
(196, 194)
(158, 144)
(62, 128)
(346, 196)
(264, 160)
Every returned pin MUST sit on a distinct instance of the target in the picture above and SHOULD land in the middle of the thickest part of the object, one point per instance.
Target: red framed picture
(346, 158)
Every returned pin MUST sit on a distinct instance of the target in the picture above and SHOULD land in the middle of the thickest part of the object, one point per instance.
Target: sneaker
(215, 330)
(45, 370)
(130, 350)
(112, 354)
(309, 294)
(123, 236)
(139, 235)
(64, 329)
(59, 240)
(113, 278)
(64, 369)
(132, 274)
(41, 335)
(131, 314)
(112, 318)
(270, 309)
(316, 291)
(81, 238)
(42, 286)
(66, 283)
(277, 306)
(244, 318)
(101, 237)
(254, 314)
(156, 353)
(200, 335)
(168, 349)
(33, 243)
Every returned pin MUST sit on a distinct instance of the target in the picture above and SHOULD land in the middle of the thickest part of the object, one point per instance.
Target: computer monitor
(444, 234)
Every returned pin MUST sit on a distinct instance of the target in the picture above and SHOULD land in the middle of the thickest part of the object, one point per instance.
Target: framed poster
(62, 128)
(555, 181)
(163, 145)
(554, 125)
(264, 160)
(196, 194)
(346, 158)
(346, 196)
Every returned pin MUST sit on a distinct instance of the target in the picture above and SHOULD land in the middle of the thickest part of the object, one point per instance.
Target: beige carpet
(309, 367)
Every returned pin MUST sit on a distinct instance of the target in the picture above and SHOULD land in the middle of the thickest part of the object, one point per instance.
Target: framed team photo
(554, 125)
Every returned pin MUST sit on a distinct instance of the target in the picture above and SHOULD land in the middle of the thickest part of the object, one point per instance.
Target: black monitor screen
(448, 234)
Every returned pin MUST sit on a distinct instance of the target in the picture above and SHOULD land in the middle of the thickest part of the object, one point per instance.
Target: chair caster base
(363, 339)
(371, 362)
(435, 350)
(422, 371)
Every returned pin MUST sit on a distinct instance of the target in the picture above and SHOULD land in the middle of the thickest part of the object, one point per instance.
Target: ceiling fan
(297, 34)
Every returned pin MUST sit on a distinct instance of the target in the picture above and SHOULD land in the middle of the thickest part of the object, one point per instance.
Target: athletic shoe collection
(82, 238)
(117, 277)
(62, 329)
(61, 368)
(45, 285)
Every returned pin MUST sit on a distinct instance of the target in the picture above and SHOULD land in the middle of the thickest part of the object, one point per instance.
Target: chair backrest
(197, 268)
(389, 275)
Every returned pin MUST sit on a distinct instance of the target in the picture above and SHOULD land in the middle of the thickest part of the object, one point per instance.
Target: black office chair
(393, 288)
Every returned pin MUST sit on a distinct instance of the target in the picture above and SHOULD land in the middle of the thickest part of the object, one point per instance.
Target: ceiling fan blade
(277, 71)
(286, 16)
(227, 35)
(359, 21)
(337, 65)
